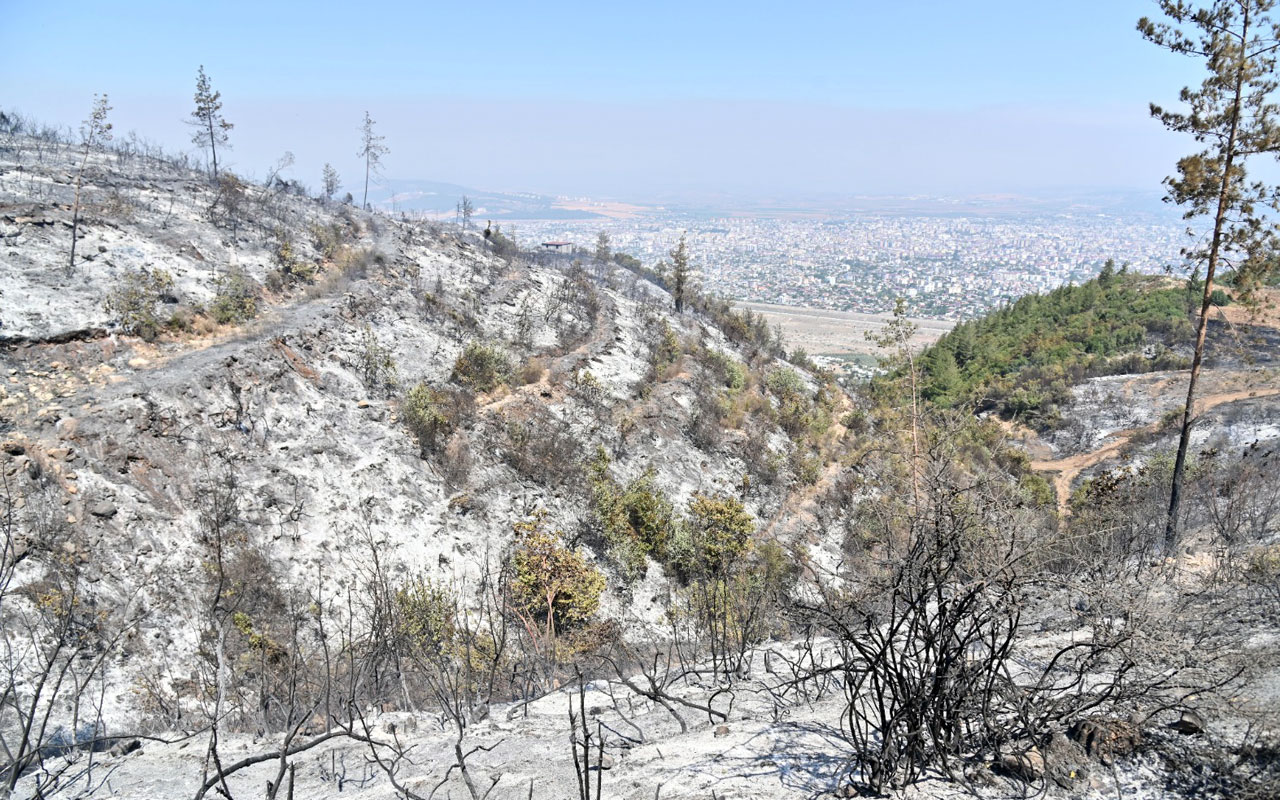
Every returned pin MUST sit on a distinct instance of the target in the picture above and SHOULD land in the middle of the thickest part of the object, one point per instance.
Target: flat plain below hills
(822, 331)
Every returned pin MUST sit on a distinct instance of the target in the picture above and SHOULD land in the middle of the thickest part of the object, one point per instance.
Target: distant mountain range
(440, 199)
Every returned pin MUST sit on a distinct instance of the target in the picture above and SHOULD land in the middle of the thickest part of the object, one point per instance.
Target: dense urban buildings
(945, 267)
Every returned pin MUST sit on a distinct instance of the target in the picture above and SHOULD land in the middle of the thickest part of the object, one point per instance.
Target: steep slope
(289, 426)
(356, 503)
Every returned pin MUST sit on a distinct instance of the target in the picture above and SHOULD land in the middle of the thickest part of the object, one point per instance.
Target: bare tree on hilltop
(371, 150)
(93, 131)
(465, 210)
(1232, 111)
(210, 128)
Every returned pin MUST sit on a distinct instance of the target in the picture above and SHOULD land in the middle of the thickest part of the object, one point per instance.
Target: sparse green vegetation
(290, 269)
(134, 299)
(236, 299)
(481, 367)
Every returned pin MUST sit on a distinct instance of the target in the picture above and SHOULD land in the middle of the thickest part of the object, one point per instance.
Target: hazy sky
(633, 100)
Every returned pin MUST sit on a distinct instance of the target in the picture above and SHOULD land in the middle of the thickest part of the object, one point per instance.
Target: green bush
(637, 521)
(729, 372)
(328, 239)
(805, 466)
(1038, 489)
(377, 366)
(786, 383)
(551, 583)
(481, 367)
(236, 299)
(664, 350)
(426, 616)
(134, 299)
(431, 415)
(720, 532)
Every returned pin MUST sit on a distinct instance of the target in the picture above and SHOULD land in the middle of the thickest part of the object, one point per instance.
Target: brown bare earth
(824, 332)
(1266, 312)
(605, 209)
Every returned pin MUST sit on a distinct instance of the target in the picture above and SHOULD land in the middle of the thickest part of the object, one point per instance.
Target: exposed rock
(103, 509)
(1189, 723)
(1028, 766)
(722, 730)
(1065, 761)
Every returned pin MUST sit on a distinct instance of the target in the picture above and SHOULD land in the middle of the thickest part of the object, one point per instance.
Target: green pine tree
(1233, 114)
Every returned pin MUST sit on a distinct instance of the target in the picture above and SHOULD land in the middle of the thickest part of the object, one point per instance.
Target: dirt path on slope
(1066, 470)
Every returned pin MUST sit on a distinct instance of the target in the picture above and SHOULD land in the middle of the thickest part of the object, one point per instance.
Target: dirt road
(1066, 470)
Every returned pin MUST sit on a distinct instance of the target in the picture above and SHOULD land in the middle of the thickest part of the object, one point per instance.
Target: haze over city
(665, 102)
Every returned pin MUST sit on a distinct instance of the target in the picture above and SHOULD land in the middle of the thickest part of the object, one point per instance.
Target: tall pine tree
(210, 128)
(681, 274)
(94, 132)
(371, 150)
(1233, 115)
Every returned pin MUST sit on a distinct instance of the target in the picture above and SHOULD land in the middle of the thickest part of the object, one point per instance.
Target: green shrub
(637, 521)
(786, 383)
(739, 605)
(1038, 489)
(664, 350)
(481, 367)
(806, 467)
(134, 299)
(289, 268)
(856, 421)
(729, 372)
(720, 532)
(425, 616)
(236, 299)
(551, 583)
(588, 390)
(795, 415)
(377, 366)
(328, 239)
(431, 415)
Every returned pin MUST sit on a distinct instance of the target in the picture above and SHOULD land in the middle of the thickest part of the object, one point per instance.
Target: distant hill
(1021, 360)
(441, 199)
